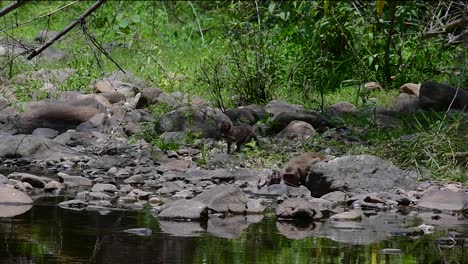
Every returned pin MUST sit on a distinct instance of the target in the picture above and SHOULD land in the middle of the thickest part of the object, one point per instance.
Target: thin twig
(198, 22)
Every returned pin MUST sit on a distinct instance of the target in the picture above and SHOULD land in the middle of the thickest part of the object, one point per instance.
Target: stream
(49, 234)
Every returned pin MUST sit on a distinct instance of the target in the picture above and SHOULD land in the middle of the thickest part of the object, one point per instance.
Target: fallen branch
(85, 14)
(459, 23)
(7, 9)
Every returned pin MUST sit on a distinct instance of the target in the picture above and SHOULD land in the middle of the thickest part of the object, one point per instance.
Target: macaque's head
(275, 178)
(224, 126)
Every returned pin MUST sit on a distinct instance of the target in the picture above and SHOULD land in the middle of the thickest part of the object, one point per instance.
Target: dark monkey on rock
(240, 134)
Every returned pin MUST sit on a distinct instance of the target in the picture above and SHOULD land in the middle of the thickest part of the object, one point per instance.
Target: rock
(202, 120)
(298, 208)
(58, 116)
(184, 210)
(139, 194)
(113, 97)
(10, 210)
(35, 148)
(174, 165)
(410, 88)
(184, 194)
(444, 201)
(225, 199)
(335, 197)
(439, 97)
(135, 179)
(106, 162)
(406, 103)
(53, 186)
(73, 204)
(73, 181)
(242, 115)
(278, 106)
(9, 196)
(354, 215)
(149, 96)
(356, 173)
(45, 133)
(282, 120)
(296, 130)
(341, 108)
(35, 181)
(104, 187)
(139, 231)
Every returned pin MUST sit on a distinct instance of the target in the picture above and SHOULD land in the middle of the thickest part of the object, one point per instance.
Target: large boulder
(440, 97)
(356, 174)
(341, 108)
(60, 115)
(277, 106)
(35, 147)
(202, 120)
(13, 202)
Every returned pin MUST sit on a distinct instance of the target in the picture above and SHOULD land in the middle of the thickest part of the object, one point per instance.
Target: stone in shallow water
(184, 210)
(444, 200)
(139, 231)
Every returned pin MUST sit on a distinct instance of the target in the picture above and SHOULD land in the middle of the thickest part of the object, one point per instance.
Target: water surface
(50, 234)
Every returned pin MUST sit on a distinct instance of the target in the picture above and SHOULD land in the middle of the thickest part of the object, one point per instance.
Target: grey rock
(444, 200)
(73, 204)
(73, 181)
(53, 186)
(196, 119)
(224, 199)
(335, 197)
(139, 231)
(35, 181)
(298, 208)
(355, 173)
(135, 179)
(183, 210)
(13, 197)
(282, 119)
(354, 215)
(104, 187)
(45, 133)
(406, 103)
(296, 130)
(278, 106)
(341, 108)
(35, 148)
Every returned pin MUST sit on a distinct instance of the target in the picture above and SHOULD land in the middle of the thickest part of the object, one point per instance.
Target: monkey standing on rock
(240, 134)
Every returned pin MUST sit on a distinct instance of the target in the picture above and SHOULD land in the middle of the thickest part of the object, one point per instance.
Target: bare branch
(11, 7)
(68, 28)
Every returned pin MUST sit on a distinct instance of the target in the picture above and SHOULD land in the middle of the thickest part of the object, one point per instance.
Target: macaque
(296, 170)
(240, 134)
(273, 178)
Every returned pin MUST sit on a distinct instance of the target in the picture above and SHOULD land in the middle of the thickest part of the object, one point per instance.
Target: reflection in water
(49, 234)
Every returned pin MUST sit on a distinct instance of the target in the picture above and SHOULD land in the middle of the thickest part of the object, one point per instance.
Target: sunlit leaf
(379, 5)
(271, 7)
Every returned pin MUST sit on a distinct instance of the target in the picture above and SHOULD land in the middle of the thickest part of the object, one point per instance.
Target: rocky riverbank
(79, 145)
